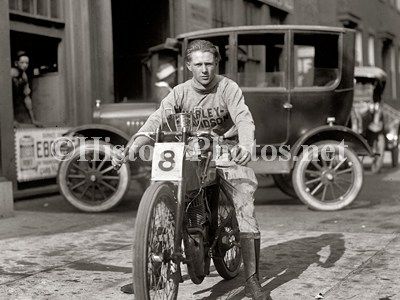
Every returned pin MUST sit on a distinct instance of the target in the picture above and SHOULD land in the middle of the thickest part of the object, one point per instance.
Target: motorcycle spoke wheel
(227, 256)
(156, 273)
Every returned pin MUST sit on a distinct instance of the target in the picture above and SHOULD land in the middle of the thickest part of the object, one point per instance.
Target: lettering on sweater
(209, 117)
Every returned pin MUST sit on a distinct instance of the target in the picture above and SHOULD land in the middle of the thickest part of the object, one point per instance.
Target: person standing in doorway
(22, 102)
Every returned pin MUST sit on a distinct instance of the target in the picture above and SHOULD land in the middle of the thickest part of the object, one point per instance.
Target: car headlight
(391, 137)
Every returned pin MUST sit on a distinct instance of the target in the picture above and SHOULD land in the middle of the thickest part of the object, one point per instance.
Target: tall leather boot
(250, 247)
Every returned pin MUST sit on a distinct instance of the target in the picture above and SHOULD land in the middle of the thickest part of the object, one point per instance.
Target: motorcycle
(184, 216)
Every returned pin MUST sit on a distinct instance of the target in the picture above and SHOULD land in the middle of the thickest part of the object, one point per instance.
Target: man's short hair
(19, 54)
(203, 46)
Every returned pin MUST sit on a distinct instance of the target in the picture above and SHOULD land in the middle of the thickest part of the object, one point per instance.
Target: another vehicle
(375, 120)
(392, 132)
(367, 113)
(186, 206)
(298, 84)
(92, 185)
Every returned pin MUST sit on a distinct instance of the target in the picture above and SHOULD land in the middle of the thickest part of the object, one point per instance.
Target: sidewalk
(82, 256)
(49, 250)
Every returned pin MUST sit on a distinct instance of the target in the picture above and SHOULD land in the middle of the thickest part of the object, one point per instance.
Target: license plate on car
(167, 161)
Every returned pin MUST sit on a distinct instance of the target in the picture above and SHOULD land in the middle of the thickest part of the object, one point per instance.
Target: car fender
(333, 132)
(106, 133)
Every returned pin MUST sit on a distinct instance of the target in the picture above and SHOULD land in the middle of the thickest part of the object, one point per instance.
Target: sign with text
(33, 156)
(167, 161)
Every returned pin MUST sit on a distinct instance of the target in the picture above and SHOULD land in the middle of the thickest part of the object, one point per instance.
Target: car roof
(226, 30)
(370, 72)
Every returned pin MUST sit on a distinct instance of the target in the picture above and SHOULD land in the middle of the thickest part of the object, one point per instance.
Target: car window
(316, 60)
(261, 60)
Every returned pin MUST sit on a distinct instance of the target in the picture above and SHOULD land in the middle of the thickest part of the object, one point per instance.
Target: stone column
(7, 165)
(102, 50)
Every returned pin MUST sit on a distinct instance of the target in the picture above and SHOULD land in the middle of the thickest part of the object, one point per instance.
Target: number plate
(167, 161)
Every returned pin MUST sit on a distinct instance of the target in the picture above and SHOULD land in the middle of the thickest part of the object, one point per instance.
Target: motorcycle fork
(178, 253)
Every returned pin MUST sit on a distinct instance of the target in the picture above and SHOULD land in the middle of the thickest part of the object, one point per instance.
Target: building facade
(96, 49)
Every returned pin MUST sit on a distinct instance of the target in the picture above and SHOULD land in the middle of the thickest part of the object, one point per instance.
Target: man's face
(203, 66)
(22, 63)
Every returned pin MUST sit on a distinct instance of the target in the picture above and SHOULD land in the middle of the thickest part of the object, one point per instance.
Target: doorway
(137, 25)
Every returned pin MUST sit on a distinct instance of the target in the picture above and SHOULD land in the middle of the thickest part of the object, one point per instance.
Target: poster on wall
(33, 156)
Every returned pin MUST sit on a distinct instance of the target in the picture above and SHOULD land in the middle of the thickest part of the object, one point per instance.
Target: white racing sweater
(221, 104)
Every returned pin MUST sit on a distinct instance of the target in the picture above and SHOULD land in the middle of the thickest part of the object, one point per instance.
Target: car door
(262, 73)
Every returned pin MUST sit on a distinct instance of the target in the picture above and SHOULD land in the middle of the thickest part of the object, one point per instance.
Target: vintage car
(298, 84)
(371, 117)
(392, 132)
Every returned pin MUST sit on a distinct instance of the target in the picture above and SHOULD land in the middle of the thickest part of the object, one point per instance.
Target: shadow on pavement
(284, 262)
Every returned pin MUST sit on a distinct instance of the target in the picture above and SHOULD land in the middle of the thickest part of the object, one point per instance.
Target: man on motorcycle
(218, 103)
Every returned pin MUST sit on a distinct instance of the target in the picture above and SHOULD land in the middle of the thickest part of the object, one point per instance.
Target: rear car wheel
(378, 147)
(328, 178)
(88, 180)
(395, 157)
(284, 183)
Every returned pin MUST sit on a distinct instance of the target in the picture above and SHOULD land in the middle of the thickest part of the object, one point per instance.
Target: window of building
(316, 60)
(371, 50)
(48, 9)
(393, 72)
(42, 51)
(261, 60)
(359, 48)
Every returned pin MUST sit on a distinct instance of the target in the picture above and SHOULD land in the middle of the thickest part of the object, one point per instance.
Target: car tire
(284, 183)
(345, 170)
(379, 148)
(92, 186)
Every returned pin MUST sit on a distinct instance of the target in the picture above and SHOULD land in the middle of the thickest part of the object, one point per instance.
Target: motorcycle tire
(227, 256)
(154, 271)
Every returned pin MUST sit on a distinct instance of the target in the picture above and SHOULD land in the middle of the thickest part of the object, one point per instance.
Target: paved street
(49, 250)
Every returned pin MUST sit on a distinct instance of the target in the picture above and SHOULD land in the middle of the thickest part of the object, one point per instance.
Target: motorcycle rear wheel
(155, 274)
(227, 256)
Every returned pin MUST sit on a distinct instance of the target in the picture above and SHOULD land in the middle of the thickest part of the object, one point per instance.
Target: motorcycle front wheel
(227, 256)
(155, 274)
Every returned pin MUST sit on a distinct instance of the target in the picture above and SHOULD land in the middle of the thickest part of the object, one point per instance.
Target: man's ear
(189, 66)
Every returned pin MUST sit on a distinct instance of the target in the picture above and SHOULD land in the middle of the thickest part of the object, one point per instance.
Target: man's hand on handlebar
(120, 157)
(240, 155)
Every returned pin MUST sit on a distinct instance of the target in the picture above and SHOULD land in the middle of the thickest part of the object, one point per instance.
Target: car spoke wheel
(88, 180)
(155, 271)
(329, 178)
(227, 256)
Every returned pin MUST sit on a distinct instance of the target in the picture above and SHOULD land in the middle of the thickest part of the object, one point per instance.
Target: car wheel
(284, 183)
(328, 178)
(379, 148)
(395, 156)
(89, 182)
